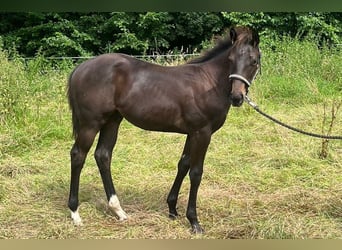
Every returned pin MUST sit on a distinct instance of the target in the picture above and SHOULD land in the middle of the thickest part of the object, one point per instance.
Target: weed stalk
(325, 142)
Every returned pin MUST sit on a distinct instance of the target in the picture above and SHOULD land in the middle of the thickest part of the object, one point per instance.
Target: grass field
(260, 180)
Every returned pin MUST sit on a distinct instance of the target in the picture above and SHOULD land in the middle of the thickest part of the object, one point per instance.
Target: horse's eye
(254, 62)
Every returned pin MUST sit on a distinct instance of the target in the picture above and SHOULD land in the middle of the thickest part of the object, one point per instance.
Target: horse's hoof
(173, 216)
(197, 229)
(76, 218)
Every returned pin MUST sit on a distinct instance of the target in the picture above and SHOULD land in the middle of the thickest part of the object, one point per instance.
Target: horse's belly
(155, 118)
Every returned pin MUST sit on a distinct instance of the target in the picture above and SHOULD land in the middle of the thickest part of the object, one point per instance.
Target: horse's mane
(244, 35)
(221, 46)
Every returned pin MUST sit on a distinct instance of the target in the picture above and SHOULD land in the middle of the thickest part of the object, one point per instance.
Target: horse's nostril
(237, 100)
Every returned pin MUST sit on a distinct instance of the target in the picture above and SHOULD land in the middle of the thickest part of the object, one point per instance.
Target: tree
(83, 34)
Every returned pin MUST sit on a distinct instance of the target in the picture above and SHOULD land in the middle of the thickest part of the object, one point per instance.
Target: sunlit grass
(260, 180)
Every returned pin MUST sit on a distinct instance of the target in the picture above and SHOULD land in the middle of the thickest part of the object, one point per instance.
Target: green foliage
(119, 29)
(53, 35)
(192, 28)
(321, 27)
(160, 27)
(60, 44)
(82, 34)
(158, 32)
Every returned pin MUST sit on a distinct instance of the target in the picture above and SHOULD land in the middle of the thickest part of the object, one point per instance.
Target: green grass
(260, 180)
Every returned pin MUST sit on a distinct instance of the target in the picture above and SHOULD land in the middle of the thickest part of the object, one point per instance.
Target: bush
(83, 34)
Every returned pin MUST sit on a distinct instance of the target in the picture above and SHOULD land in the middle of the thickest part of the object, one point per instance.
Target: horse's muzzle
(236, 99)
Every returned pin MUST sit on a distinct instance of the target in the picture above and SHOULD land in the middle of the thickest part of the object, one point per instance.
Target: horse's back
(95, 70)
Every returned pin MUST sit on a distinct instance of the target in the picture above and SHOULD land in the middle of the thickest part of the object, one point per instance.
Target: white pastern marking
(76, 218)
(115, 205)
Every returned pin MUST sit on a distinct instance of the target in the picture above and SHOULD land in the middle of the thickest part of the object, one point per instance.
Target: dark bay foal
(192, 99)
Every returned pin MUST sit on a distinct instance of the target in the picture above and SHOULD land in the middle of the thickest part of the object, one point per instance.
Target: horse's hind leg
(78, 154)
(103, 156)
(183, 169)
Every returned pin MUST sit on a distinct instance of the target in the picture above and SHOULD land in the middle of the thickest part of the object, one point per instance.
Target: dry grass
(253, 187)
(260, 181)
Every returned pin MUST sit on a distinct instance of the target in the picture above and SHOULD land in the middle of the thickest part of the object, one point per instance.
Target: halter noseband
(241, 78)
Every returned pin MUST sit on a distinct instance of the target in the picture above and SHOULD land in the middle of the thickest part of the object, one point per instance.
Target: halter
(243, 79)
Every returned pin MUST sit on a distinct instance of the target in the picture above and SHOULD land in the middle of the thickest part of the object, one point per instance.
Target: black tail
(72, 105)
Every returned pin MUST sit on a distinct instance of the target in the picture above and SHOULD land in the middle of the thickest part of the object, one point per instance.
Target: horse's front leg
(199, 142)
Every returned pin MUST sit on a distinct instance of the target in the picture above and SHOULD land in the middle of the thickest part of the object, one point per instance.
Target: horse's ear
(233, 35)
(256, 38)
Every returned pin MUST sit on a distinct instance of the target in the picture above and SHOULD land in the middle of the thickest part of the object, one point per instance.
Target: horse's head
(244, 57)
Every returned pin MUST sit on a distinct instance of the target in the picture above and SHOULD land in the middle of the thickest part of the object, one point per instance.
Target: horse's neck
(218, 69)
